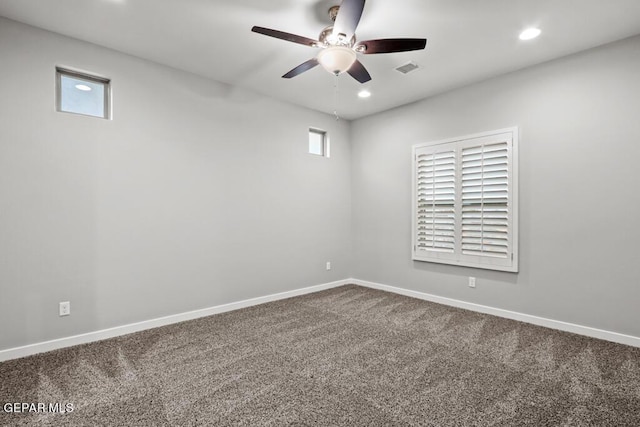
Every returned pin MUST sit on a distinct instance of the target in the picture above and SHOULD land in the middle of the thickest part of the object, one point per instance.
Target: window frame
(509, 264)
(105, 82)
(325, 141)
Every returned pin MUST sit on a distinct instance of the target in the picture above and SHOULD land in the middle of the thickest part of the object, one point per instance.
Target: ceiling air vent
(407, 68)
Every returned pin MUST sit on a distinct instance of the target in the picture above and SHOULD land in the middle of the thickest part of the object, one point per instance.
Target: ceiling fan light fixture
(338, 46)
(337, 59)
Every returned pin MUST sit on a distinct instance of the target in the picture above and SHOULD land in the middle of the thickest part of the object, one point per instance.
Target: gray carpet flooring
(348, 356)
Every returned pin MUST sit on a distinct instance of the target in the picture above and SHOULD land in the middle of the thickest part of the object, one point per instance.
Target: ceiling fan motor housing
(327, 38)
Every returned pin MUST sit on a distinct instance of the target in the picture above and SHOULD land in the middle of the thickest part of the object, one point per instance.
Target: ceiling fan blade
(286, 36)
(391, 45)
(305, 66)
(358, 72)
(348, 17)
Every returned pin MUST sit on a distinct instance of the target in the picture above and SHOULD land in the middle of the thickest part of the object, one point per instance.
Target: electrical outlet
(65, 308)
(472, 282)
(328, 265)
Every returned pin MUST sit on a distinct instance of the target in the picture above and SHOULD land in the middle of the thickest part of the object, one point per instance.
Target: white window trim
(457, 258)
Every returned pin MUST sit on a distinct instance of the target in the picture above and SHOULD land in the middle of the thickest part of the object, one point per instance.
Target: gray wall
(579, 121)
(199, 194)
(196, 194)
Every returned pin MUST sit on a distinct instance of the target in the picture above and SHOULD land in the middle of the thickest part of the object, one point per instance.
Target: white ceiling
(468, 40)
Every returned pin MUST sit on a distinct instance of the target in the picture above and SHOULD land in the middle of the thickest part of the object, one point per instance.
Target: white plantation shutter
(435, 220)
(465, 201)
(485, 200)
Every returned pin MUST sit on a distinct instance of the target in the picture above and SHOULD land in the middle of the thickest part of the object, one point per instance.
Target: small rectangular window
(80, 93)
(465, 201)
(318, 142)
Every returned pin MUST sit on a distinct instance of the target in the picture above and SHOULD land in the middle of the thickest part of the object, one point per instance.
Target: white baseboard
(28, 350)
(527, 318)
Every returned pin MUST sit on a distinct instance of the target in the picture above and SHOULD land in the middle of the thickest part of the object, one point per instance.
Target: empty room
(319, 212)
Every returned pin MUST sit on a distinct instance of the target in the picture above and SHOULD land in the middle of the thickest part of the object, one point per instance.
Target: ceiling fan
(338, 44)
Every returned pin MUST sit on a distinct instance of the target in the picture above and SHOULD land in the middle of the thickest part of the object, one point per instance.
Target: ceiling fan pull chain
(335, 97)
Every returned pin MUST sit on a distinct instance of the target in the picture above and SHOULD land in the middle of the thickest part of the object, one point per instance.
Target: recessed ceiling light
(530, 33)
(83, 88)
(364, 93)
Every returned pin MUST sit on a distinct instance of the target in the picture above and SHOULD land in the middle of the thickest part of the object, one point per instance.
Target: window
(318, 142)
(82, 94)
(465, 201)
